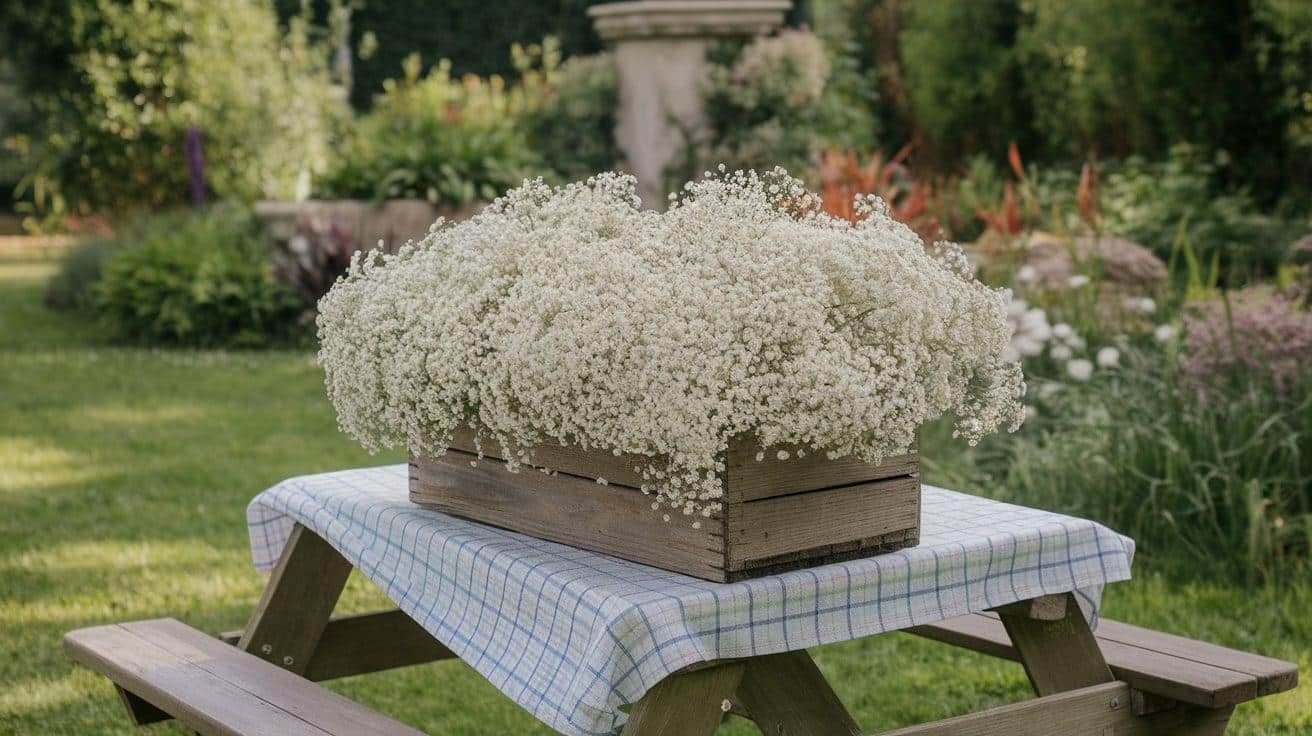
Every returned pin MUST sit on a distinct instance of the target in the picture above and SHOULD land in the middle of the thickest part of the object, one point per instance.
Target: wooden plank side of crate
(749, 479)
(769, 528)
(582, 513)
(593, 463)
(745, 479)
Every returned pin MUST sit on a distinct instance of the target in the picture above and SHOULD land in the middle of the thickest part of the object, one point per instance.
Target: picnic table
(591, 644)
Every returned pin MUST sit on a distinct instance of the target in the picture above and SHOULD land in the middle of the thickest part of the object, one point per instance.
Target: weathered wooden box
(777, 515)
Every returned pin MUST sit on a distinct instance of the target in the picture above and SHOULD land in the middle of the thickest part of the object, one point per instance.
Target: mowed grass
(124, 475)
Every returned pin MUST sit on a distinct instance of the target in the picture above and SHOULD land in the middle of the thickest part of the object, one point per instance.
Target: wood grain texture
(361, 643)
(786, 695)
(563, 508)
(1198, 681)
(767, 528)
(616, 469)
(1272, 675)
(297, 601)
(1058, 654)
(1044, 608)
(1099, 710)
(685, 704)
(779, 527)
(747, 479)
(217, 689)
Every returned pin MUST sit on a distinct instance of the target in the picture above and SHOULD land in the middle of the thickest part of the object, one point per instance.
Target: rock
(1123, 263)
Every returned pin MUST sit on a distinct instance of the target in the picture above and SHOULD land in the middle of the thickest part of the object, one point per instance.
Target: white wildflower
(1080, 369)
(1078, 280)
(1108, 357)
(572, 315)
(1164, 333)
(1062, 330)
(1027, 275)
(1143, 305)
(1060, 352)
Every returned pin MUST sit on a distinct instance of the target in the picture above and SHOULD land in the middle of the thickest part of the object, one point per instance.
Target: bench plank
(1199, 681)
(1098, 709)
(216, 688)
(1273, 675)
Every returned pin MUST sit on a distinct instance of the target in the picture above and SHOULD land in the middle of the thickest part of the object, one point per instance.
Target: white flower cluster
(571, 314)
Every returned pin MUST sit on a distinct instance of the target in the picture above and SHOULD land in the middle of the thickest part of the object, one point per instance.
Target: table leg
(1060, 653)
(786, 695)
(297, 601)
(686, 703)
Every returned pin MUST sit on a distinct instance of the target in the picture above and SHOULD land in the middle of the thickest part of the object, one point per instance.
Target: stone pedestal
(660, 54)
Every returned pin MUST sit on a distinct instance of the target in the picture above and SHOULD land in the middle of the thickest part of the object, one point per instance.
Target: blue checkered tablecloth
(571, 635)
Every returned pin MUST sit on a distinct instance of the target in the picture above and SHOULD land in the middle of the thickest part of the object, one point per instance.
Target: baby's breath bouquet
(570, 314)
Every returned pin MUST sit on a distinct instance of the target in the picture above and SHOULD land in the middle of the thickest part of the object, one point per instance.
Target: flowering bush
(571, 314)
(1254, 335)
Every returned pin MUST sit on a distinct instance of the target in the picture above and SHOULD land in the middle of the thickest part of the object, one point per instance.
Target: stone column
(660, 57)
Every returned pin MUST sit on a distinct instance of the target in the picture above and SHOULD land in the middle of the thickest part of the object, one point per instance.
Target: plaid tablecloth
(570, 635)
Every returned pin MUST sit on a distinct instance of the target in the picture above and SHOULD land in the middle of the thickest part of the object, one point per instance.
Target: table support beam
(689, 703)
(289, 620)
(786, 695)
(1059, 655)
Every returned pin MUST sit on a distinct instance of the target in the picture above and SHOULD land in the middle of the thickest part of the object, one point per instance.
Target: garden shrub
(573, 125)
(1160, 204)
(201, 280)
(70, 288)
(763, 103)
(961, 78)
(436, 138)
(1250, 336)
(118, 85)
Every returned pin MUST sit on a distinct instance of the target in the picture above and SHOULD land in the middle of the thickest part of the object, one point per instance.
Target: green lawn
(124, 475)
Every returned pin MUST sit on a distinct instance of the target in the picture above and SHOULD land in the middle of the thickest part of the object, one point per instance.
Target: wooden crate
(777, 515)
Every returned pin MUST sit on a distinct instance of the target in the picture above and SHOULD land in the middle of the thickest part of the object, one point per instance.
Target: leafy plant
(763, 103)
(572, 124)
(1158, 203)
(436, 138)
(313, 258)
(115, 86)
(195, 280)
(70, 288)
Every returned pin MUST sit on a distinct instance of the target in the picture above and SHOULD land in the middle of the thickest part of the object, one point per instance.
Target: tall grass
(1220, 485)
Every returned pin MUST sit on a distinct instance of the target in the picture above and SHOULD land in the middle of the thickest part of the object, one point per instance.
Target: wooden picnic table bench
(1125, 680)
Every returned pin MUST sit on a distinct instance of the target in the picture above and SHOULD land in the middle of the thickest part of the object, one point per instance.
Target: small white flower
(1060, 352)
(1076, 342)
(1080, 369)
(1027, 274)
(782, 454)
(1030, 412)
(1109, 357)
(760, 456)
(1144, 305)
(1027, 346)
(1164, 333)
(1078, 280)
(1062, 330)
